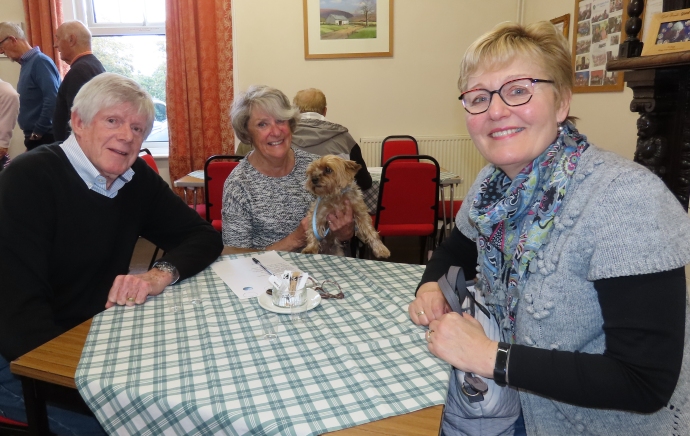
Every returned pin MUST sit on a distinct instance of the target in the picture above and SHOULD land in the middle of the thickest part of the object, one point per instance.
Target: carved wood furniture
(661, 95)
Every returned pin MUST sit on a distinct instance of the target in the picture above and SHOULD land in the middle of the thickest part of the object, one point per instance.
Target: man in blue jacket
(37, 87)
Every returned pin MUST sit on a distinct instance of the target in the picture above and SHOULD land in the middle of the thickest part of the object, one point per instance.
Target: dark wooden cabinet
(661, 95)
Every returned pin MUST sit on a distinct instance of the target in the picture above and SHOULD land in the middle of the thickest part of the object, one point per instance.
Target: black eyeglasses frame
(498, 91)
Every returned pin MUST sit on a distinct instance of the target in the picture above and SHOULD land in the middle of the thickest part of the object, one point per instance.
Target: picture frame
(562, 23)
(669, 32)
(329, 34)
(597, 35)
(651, 7)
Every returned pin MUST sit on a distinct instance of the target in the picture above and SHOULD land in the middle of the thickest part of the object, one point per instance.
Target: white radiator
(456, 154)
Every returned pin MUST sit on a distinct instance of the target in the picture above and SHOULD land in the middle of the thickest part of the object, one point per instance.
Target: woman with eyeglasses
(579, 254)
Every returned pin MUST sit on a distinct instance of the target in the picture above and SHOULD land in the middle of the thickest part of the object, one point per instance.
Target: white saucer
(265, 301)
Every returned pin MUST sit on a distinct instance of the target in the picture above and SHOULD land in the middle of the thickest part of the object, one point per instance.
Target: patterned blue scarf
(515, 217)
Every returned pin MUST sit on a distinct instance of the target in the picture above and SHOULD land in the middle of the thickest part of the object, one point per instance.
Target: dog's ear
(352, 166)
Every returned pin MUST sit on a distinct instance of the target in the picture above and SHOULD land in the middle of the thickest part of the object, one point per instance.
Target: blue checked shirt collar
(88, 173)
(29, 54)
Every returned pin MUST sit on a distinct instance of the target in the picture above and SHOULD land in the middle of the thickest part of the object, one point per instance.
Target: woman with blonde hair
(579, 255)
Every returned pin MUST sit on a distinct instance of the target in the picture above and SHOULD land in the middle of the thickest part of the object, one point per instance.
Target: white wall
(12, 10)
(414, 92)
(605, 117)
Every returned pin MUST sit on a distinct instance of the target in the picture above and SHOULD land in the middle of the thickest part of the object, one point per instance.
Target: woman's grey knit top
(618, 219)
(259, 210)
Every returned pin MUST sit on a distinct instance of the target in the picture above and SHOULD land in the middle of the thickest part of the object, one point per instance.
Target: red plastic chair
(149, 159)
(12, 427)
(216, 171)
(408, 199)
(397, 145)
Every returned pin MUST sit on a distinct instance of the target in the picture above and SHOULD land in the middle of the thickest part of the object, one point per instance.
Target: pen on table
(256, 261)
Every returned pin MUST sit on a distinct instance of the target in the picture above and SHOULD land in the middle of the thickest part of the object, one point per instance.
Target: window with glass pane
(129, 39)
(128, 11)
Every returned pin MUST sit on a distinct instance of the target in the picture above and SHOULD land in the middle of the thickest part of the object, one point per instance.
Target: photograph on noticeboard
(596, 41)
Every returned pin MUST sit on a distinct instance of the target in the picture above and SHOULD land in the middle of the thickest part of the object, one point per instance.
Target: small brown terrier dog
(332, 179)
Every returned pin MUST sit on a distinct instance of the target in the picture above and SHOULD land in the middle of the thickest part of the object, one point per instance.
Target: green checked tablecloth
(371, 195)
(204, 370)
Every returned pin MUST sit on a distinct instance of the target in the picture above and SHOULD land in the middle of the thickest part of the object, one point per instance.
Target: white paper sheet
(247, 279)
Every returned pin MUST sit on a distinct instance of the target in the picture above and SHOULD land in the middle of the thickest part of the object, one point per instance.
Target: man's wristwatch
(35, 137)
(169, 268)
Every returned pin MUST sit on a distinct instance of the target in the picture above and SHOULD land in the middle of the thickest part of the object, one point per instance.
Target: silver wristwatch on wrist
(169, 268)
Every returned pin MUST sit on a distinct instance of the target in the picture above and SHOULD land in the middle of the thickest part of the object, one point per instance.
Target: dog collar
(313, 222)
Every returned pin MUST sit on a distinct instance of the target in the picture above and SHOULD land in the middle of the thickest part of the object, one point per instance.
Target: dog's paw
(310, 249)
(380, 250)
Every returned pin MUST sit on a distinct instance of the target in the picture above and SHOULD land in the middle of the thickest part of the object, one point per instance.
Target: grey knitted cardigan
(618, 219)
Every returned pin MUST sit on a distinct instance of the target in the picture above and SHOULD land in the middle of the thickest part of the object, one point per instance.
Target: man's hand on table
(429, 305)
(133, 289)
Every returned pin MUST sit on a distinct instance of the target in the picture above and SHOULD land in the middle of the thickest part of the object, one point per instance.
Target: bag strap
(448, 285)
(454, 288)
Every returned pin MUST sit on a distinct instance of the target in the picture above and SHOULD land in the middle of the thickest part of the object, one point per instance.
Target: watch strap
(501, 365)
(169, 268)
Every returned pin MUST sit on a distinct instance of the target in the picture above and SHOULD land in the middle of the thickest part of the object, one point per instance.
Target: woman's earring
(560, 127)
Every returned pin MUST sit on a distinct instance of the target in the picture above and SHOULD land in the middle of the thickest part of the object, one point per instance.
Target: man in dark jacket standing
(73, 41)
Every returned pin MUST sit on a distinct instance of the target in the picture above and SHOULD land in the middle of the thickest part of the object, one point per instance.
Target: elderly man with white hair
(73, 41)
(71, 215)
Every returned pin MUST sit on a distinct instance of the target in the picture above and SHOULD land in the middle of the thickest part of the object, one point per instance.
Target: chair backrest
(148, 158)
(408, 196)
(216, 169)
(397, 145)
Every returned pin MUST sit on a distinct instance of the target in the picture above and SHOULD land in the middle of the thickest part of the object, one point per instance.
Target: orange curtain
(199, 82)
(42, 19)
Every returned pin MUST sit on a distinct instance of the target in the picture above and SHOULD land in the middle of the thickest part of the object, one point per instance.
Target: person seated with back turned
(315, 134)
(580, 256)
(71, 215)
(264, 199)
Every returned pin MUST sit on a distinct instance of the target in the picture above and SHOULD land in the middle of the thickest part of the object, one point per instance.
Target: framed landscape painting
(348, 28)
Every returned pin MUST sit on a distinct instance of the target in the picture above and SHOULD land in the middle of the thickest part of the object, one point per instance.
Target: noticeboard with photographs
(597, 35)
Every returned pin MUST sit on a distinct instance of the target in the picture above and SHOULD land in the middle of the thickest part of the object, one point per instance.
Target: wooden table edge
(55, 361)
(426, 421)
(189, 182)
